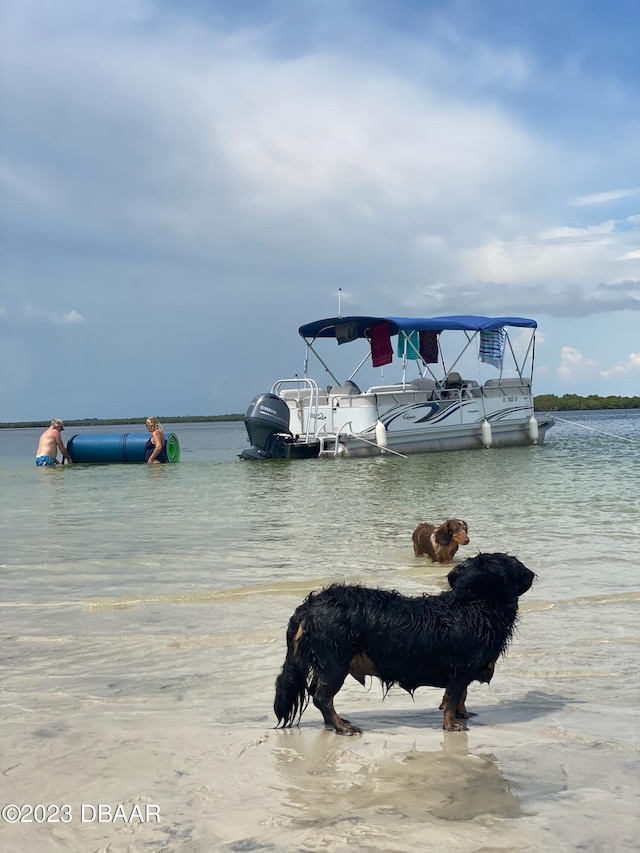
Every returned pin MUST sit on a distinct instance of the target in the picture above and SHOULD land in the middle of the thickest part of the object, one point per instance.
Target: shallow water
(143, 617)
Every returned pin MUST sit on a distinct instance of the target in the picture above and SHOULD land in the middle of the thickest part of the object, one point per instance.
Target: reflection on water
(327, 781)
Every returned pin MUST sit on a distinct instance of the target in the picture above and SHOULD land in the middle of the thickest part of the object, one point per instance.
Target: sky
(182, 185)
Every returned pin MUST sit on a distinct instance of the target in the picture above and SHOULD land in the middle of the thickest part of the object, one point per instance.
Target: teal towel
(409, 342)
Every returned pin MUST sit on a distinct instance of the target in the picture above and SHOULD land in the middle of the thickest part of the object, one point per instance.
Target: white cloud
(344, 298)
(565, 232)
(605, 197)
(574, 366)
(329, 129)
(57, 317)
(579, 258)
(632, 366)
(558, 299)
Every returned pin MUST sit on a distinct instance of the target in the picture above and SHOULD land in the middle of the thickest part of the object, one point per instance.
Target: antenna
(339, 302)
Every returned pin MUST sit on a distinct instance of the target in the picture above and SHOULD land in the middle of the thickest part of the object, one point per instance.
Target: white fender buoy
(381, 435)
(487, 438)
(533, 430)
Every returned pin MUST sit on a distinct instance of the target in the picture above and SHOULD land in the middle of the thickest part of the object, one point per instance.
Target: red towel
(381, 350)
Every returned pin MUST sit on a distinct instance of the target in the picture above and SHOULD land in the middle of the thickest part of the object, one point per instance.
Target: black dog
(446, 640)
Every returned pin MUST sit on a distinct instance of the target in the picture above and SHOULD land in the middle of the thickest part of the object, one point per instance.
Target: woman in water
(155, 450)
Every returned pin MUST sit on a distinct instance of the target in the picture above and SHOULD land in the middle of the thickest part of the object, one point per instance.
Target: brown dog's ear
(443, 534)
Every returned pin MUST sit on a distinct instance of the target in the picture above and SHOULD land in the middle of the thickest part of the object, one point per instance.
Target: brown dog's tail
(292, 692)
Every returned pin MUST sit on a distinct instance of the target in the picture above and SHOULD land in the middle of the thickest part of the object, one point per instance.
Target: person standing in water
(49, 444)
(155, 450)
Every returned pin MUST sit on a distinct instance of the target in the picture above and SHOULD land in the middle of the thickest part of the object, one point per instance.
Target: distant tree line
(91, 422)
(572, 402)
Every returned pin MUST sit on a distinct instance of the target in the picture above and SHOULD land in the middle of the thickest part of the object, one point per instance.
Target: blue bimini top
(358, 327)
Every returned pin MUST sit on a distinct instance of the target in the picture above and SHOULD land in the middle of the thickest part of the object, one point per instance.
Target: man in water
(49, 444)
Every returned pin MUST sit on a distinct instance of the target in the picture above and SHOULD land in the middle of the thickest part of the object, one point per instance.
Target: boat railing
(306, 394)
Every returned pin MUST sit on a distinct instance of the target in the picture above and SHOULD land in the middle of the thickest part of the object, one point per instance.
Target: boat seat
(345, 390)
(293, 394)
(453, 380)
(423, 384)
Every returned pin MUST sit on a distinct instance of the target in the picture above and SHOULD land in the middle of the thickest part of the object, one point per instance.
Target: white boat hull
(413, 420)
(444, 439)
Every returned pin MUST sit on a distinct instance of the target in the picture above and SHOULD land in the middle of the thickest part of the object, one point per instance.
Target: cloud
(631, 367)
(582, 259)
(574, 366)
(604, 197)
(568, 233)
(56, 317)
(321, 154)
(577, 368)
(528, 298)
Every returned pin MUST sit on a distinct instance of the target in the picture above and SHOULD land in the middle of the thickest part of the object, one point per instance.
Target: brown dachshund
(440, 543)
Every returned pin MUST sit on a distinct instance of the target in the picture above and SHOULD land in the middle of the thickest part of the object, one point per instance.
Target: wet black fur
(446, 640)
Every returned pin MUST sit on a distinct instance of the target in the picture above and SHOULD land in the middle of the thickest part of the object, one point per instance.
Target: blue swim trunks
(45, 461)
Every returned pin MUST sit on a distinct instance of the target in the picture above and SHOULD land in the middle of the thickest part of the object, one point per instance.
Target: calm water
(143, 613)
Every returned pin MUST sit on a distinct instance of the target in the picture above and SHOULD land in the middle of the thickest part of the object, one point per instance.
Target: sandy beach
(195, 764)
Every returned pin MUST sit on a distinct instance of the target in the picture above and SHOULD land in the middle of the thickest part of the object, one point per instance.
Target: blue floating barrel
(111, 447)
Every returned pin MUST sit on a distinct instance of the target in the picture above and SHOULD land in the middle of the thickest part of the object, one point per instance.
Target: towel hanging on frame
(409, 344)
(346, 332)
(381, 350)
(429, 347)
(492, 346)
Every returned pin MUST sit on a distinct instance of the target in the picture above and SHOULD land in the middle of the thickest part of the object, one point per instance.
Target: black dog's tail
(292, 685)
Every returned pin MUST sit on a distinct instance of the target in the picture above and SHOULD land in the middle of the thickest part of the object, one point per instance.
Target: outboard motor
(267, 423)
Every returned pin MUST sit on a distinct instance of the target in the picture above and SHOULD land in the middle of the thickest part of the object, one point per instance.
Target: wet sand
(184, 731)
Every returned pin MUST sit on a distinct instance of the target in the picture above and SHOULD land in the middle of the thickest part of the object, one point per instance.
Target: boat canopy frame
(356, 327)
